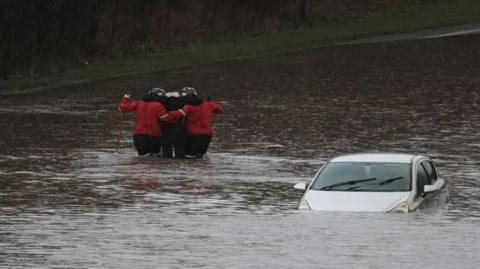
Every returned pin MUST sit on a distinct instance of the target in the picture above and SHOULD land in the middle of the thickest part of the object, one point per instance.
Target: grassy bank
(320, 34)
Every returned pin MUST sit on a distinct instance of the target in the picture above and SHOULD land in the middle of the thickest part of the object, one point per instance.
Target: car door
(433, 198)
(429, 177)
(421, 179)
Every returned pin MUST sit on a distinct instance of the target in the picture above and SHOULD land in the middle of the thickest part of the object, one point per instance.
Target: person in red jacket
(198, 114)
(148, 112)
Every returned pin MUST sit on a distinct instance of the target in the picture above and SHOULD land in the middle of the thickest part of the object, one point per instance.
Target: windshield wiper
(350, 182)
(387, 181)
(379, 183)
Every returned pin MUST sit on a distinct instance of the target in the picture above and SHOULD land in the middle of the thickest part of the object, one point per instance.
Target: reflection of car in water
(382, 182)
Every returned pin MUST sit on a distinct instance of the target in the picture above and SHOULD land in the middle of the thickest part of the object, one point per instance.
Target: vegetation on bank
(315, 34)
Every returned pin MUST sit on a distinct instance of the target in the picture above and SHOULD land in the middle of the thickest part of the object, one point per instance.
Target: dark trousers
(174, 140)
(197, 145)
(147, 144)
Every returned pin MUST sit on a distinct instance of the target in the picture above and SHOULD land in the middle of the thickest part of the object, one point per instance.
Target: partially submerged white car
(375, 182)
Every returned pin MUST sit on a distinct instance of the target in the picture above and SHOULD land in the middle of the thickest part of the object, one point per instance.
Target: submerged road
(74, 195)
(454, 30)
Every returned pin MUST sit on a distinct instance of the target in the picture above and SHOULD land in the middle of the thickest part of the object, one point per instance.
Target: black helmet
(157, 91)
(188, 91)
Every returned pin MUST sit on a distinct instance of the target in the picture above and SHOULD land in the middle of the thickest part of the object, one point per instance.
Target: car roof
(376, 157)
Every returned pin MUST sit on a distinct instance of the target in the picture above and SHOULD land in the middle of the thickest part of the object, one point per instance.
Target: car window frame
(420, 191)
(432, 177)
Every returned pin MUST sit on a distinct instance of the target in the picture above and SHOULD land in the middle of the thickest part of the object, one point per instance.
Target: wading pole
(119, 136)
(121, 125)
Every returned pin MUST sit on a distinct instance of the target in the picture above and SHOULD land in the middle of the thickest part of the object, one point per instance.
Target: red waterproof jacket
(147, 116)
(197, 119)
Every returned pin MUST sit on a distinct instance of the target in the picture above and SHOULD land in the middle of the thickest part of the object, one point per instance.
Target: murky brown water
(74, 195)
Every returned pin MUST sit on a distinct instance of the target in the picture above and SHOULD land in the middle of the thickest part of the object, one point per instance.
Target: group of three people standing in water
(171, 124)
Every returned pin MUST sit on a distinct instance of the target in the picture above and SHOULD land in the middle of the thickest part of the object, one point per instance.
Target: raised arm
(215, 107)
(124, 105)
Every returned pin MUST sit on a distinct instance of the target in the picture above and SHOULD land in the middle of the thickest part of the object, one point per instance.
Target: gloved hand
(126, 96)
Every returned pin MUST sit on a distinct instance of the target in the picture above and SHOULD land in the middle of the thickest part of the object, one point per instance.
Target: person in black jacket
(174, 136)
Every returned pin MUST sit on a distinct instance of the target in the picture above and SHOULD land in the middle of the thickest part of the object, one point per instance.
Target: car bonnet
(354, 201)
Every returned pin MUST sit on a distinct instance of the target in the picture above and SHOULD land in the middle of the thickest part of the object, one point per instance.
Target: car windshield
(378, 177)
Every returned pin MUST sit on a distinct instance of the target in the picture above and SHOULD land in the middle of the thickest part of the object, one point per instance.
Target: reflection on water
(74, 195)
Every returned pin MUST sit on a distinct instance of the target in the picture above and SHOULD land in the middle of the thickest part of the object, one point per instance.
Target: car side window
(430, 170)
(422, 179)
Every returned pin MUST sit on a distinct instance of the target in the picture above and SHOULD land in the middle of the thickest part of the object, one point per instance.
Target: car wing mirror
(434, 187)
(301, 186)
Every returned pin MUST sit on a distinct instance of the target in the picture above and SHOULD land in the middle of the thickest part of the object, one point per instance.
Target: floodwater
(73, 193)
